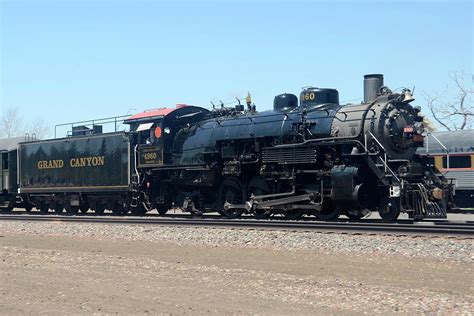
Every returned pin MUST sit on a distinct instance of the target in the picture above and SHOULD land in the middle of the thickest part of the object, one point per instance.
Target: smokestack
(372, 85)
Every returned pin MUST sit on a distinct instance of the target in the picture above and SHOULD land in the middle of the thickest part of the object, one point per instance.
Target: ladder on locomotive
(135, 189)
(380, 166)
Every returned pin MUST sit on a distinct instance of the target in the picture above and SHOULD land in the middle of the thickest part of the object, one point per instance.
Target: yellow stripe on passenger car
(439, 162)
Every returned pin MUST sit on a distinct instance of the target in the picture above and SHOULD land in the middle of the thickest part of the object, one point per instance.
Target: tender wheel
(84, 207)
(259, 186)
(43, 207)
(11, 206)
(58, 208)
(99, 208)
(118, 209)
(328, 212)
(389, 209)
(72, 210)
(5, 210)
(231, 192)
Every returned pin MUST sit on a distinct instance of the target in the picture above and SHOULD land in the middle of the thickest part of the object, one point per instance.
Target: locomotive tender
(314, 157)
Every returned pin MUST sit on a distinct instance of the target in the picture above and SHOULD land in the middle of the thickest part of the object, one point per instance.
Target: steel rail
(445, 229)
(436, 221)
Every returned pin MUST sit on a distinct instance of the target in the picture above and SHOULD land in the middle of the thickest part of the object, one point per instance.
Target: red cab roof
(154, 114)
(149, 114)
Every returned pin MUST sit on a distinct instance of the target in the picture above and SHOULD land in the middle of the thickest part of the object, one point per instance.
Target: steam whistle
(408, 97)
(239, 106)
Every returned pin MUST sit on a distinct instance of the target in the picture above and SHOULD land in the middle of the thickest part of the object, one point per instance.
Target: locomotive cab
(156, 129)
(149, 142)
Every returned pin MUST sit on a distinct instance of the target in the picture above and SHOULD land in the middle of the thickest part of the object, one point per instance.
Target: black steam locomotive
(315, 157)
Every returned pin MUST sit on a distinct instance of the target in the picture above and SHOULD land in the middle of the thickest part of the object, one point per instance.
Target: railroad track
(180, 215)
(443, 228)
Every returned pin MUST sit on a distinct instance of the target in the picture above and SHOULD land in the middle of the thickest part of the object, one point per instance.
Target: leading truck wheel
(389, 209)
(328, 211)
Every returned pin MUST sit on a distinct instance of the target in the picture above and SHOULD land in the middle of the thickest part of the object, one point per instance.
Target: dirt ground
(66, 275)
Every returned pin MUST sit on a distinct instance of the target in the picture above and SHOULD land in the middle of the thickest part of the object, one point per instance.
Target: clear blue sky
(66, 60)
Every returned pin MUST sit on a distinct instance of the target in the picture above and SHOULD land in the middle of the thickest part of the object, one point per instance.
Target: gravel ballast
(439, 248)
(87, 268)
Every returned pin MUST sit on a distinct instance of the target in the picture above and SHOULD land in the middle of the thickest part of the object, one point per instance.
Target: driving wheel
(231, 192)
(259, 186)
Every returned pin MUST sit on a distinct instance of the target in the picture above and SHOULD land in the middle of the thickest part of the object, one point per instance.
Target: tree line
(452, 108)
(13, 124)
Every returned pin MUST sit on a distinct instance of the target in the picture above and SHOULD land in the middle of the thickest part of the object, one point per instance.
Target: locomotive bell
(408, 97)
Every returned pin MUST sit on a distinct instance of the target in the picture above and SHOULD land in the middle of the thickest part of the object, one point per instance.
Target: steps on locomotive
(135, 189)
